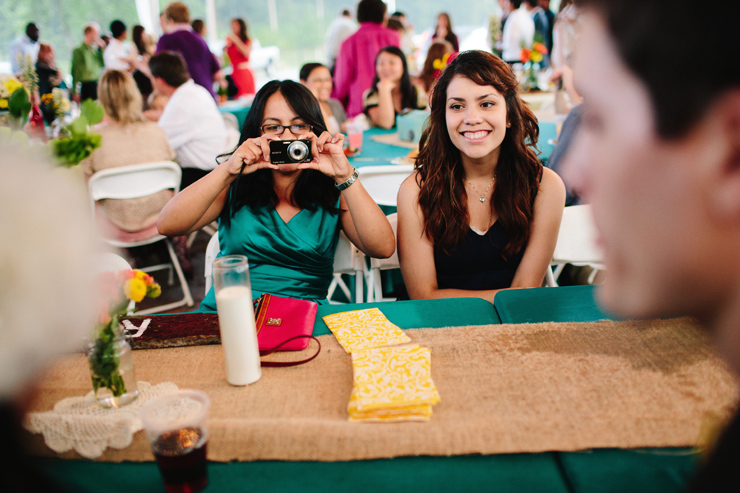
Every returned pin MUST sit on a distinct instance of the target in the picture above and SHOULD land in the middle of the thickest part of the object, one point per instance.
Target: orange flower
(540, 48)
(524, 56)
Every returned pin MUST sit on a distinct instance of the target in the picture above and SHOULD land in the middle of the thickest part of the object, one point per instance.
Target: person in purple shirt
(203, 66)
(355, 67)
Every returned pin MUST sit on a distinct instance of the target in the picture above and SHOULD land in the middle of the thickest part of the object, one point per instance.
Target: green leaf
(92, 111)
(19, 105)
(79, 126)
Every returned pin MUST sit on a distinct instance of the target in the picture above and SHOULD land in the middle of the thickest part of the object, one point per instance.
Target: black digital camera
(290, 151)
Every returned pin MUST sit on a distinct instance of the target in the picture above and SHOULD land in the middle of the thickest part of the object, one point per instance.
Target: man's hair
(170, 67)
(178, 13)
(346, 13)
(198, 26)
(684, 74)
(516, 3)
(117, 28)
(91, 26)
(371, 11)
(30, 28)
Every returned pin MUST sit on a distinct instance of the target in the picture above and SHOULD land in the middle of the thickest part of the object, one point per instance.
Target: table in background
(603, 470)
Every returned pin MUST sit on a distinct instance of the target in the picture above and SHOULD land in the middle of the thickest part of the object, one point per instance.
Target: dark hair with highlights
(312, 189)
(442, 197)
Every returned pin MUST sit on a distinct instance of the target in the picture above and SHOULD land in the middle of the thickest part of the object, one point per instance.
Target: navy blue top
(476, 263)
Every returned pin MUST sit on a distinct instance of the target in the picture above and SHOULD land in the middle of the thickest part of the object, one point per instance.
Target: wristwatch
(349, 181)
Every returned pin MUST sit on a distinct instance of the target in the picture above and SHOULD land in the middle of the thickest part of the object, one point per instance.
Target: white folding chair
(348, 259)
(212, 249)
(373, 274)
(383, 182)
(136, 181)
(576, 244)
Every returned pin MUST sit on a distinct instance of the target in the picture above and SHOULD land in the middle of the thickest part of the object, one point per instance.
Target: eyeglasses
(297, 129)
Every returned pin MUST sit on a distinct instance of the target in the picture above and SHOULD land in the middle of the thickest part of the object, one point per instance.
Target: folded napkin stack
(391, 382)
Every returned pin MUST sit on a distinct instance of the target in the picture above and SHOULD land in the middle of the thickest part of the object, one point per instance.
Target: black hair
(117, 28)
(171, 67)
(371, 11)
(243, 34)
(409, 93)
(652, 42)
(312, 189)
(198, 26)
(308, 68)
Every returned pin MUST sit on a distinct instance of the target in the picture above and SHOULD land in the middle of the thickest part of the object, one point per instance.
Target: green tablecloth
(376, 153)
(608, 470)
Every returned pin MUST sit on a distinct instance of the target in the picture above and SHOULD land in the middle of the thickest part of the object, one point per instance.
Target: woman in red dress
(238, 46)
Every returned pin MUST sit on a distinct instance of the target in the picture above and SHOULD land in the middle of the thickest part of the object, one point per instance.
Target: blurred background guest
(27, 44)
(119, 53)
(518, 32)
(443, 31)
(392, 92)
(355, 66)
(340, 29)
(127, 139)
(179, 37)
(87, 65)
(145, 45)
(195, 128)
(49, 77)
(144, 48)
(238, 47)
(565, 34)
(407, 39)
(317, 78)
(199, 27)
(433, 65)
(542, 31)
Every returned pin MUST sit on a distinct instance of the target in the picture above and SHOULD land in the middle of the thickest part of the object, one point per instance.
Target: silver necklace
(482, 195)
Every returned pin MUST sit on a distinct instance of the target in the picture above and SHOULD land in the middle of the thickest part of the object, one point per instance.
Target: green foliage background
(300, 34)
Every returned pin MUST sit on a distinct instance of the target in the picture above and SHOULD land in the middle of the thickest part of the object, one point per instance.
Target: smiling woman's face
(476, 119)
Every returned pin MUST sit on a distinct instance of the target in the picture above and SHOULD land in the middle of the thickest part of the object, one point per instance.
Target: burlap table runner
(504, 388)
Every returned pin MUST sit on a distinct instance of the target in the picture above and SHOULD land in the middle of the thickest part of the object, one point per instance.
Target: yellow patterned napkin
(392, 384)
(364, 329)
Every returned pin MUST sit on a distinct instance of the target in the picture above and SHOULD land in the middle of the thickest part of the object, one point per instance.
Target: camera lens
(297, 151)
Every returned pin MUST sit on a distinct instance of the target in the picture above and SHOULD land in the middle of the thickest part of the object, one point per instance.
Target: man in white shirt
(195, 128)
(518, 32)
(340, 29)
(117, 54)
(24, 45)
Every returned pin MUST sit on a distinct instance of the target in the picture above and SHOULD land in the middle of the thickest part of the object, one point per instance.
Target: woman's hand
(329, 158)
(386, 85)
(253, 154)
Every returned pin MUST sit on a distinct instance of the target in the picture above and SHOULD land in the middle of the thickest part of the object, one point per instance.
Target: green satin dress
(295, 260)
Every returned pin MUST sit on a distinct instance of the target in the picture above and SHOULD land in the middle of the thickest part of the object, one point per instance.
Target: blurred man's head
(169, 71)
(658, 156)
(92, 32)
(118, 30)
(371, 11)
(177, 13)
(32, 31)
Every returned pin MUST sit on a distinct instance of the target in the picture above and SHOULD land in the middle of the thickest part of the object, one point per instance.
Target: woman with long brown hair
(479, 213)
(238, 47)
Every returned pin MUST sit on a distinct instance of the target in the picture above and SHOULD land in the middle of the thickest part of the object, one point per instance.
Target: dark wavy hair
(243, 32)
(408, 91)
(442, 197)
(312, 189)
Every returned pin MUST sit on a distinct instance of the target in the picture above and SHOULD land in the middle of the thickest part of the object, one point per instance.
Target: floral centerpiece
(56, 103)
(531, 58)
(76, 141)
(111, 363)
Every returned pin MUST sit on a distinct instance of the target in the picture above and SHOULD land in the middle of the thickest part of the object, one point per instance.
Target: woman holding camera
(480, 213)
(284, 217)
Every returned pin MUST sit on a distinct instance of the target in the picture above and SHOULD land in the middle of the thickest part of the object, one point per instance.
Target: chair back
(131, 182)
(374, 283)
(212, 250)
(383, 182)
(576, 243)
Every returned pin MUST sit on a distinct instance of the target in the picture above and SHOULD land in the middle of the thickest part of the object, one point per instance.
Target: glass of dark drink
(177, 428)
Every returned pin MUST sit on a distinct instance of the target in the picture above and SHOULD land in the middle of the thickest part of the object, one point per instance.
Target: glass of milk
(236, 319)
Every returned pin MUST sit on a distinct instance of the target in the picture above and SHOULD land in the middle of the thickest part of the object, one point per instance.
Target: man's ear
(727, 180)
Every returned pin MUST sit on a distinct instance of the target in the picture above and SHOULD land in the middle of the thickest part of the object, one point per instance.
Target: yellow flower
(135, 289)
(11, 85)
(3, 103)
(535, 56)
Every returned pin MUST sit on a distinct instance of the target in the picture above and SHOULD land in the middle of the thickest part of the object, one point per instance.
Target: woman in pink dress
(238, 46)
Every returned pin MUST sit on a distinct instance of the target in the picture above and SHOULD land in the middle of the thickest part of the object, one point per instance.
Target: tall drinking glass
(236, 319)
(177, 428)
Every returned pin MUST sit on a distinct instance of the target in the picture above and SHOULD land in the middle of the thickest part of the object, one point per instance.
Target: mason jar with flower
(109, 353)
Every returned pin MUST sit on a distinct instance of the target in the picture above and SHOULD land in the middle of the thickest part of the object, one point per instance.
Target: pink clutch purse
(280, 319)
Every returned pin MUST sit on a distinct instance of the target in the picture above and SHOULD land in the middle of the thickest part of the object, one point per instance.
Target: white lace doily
(80, 423)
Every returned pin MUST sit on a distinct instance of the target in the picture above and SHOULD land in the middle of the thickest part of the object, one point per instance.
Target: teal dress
(295, 260)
